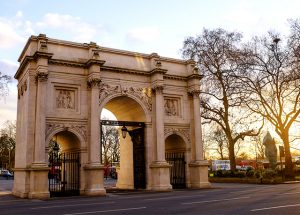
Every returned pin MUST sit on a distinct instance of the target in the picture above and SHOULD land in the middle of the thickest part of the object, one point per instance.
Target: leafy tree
(271, 83)
(217, 53)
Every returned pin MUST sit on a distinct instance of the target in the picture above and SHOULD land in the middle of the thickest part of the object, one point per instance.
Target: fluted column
(159, 119)
(197, 126)
(40, 122)
(94, 158)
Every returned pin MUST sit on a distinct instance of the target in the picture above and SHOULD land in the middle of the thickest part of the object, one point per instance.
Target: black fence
(177, 174)
(64, 174)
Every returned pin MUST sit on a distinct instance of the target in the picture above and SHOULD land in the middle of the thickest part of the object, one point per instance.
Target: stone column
(160, 169)
(94, 123)
(94, 169)
(40, 123)
(39, 168)
(159, 119)
(197, 126)
(198, 167)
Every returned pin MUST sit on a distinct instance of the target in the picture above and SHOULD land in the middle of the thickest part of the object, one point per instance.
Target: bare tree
(110, 144)
(271, 81)
(217, 53)
(259, 148)
(4, 80)
(217, 141)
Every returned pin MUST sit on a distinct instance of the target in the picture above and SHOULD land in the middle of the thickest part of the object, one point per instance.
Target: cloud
(8, 104)
(8, 67)
(81, 31)
(14, 31)
(9, 36)
(144, 34)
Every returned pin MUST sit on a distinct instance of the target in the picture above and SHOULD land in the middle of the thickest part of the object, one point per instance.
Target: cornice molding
(195, 76)
(67, 63)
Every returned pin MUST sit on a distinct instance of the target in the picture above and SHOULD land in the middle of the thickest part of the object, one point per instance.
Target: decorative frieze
(144, 94)
(185, 132)
(55, 126)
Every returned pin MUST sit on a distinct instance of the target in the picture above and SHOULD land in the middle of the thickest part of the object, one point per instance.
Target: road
(225, 199)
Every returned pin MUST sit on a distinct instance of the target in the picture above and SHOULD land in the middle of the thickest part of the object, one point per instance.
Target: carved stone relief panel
(65, 99)
(172, 106)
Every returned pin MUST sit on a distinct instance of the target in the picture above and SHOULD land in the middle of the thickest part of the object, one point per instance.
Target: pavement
(6, 185)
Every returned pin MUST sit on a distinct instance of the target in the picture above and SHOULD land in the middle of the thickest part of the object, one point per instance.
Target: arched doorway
(64, 163)
(175, 155)
(131, 122)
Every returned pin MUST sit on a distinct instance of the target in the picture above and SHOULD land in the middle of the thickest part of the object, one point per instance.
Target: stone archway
(64, 161)
(63, 86)
(130, 113)
(175, 155)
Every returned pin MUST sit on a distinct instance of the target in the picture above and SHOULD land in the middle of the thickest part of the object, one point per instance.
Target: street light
(56, 147)
(124, 131)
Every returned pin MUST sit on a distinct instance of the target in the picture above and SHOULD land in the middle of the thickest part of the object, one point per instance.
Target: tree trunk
(232, 156)
(289, 167)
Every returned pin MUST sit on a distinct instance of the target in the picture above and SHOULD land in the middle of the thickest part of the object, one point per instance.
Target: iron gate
(177, 174)
(139, 170)
(64, 174)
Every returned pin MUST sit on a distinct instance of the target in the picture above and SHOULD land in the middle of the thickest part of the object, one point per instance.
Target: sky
(145, 26)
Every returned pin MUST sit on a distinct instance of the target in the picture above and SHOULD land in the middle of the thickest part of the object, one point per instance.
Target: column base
(94, 174)
(39, 186)
(199, 174)
(21, 182)
(32, 182)
(160, 176)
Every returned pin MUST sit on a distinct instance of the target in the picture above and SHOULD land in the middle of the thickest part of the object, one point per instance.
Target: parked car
(6, 174)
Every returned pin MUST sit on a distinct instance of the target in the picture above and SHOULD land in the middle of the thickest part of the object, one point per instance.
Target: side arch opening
(175, 155)
(64, 163)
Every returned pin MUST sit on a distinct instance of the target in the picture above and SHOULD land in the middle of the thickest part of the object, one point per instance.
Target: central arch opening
(129, 118)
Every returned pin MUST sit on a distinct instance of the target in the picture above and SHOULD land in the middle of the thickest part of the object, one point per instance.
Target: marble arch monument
(63, 87)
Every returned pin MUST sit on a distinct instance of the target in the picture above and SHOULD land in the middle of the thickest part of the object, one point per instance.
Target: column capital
(42, 76)
(194, 92)
(158, 88)
(93, 82)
